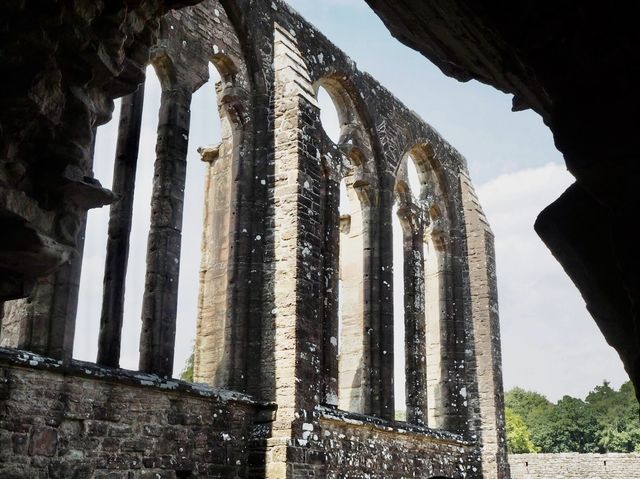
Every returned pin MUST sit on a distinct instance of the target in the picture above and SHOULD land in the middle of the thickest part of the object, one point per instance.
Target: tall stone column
(120, 219)
(379, 300)
(159, 308)
(64, 305)
(414, 317)
(292, 338)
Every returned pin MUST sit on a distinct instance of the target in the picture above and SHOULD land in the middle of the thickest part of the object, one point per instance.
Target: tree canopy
(606, 421)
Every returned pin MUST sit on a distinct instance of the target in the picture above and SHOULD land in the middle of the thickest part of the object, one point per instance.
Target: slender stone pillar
(120, 218)
(415, 322)
(64, 305)
(66, 289)
(379, 250)
(159, 308)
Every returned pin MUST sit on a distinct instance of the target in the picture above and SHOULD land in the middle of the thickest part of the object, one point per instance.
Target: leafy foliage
(533, 408)
(570, 427)
(606, 421)
(187, 372)
(617, 415)
(518, 434)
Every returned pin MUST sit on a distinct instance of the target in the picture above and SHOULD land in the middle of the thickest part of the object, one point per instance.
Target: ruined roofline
(443, 149)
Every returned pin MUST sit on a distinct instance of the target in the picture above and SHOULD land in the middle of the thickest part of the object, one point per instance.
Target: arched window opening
(343, 126)
(341, 121)
(399, 355)
(218, 349)
(95, 275)
(206, 131)
(428, 286)
(95, 244)
(413, 179)
(137, 263)
(329, 117)
(351, 322)
(409, 222)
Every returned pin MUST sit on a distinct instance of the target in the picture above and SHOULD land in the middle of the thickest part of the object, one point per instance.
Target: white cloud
(550, 342)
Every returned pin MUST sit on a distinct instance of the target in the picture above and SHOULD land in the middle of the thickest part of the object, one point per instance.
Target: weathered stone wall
(86, 422)
(489, 399)
(575, 466)
(359, 446)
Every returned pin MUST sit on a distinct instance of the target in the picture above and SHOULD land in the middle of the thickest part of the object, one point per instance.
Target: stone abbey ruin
(298, 383)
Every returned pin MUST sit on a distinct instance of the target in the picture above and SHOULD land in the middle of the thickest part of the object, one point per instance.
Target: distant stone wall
(575, 466)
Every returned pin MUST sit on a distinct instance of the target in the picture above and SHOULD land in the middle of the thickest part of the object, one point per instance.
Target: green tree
(518, 434)
(534, 409)
(187, 372)
(618, 417)
(570, 426)
(527, 404)
(607, 421)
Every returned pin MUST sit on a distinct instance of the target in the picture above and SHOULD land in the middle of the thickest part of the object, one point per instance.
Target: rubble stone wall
(87, 422)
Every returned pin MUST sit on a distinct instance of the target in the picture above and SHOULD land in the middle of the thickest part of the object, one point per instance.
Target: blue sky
(550, 343)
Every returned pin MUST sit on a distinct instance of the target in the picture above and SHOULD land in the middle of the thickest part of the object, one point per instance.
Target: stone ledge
(25, 359)
(330, 414)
